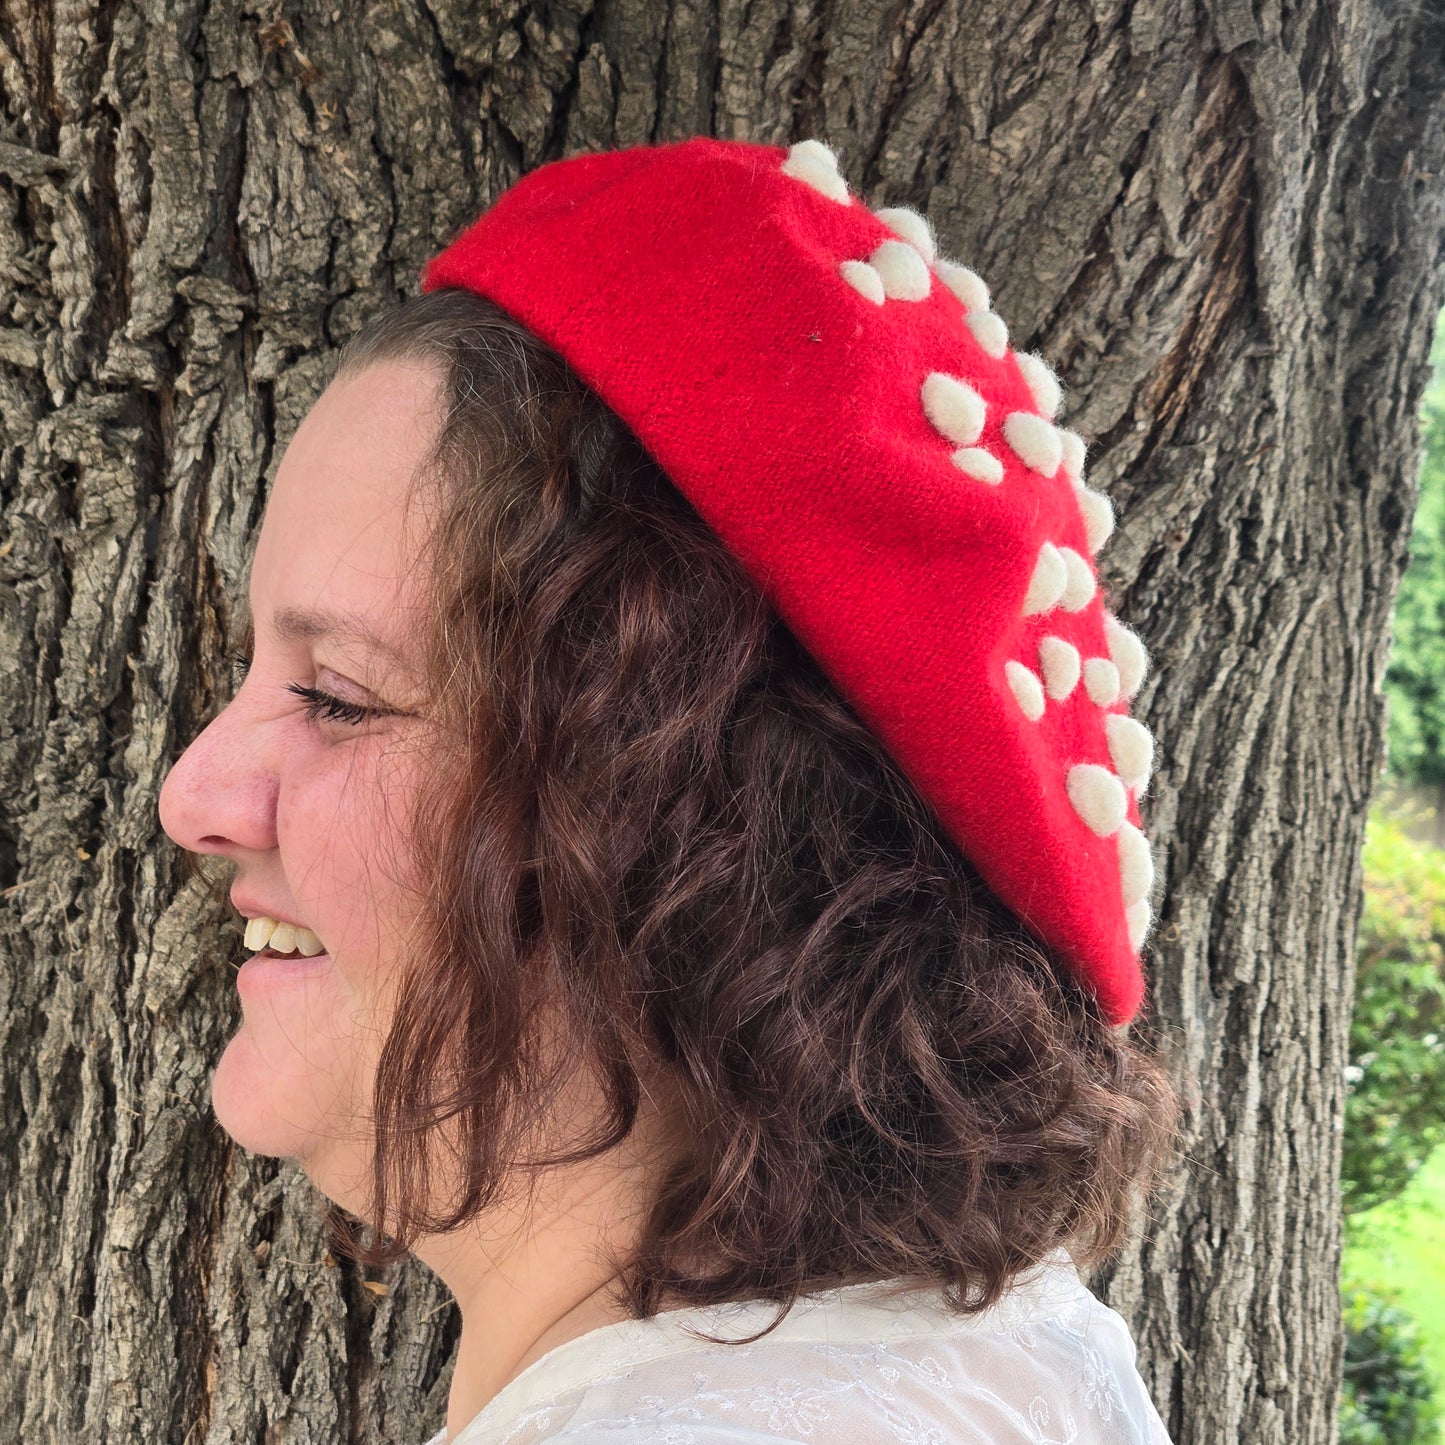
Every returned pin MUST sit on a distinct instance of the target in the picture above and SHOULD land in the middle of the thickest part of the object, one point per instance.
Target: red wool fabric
(698, 289)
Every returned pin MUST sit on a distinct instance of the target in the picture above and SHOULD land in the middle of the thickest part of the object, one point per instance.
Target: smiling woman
(652, 998)
(301, 780)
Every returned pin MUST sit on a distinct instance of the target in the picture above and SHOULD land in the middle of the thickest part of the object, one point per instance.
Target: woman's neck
(526, 1282)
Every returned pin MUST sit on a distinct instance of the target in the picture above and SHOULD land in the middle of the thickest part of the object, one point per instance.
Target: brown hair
(663, 823)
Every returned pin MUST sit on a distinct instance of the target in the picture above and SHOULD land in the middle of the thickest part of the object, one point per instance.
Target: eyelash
(334, 708)
(319, 704)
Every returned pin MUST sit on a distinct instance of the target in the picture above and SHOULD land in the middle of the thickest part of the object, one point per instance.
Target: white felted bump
(968, 286)
(1101, 681)
(982, 465)
(1131, 745)
(1098, 797)
(1060, 663)
(1073, 448)
(1128, 654)
(1138, 917)
(953, 407)
(863, 279)
(1026, 688)
(1046, 586)
(1136, 866)
(1035, 440)
(1042, 382)
(989, 331)
(1079, 587)
(904, 221)
(1098, 513)
(905, 273)
(813, 163)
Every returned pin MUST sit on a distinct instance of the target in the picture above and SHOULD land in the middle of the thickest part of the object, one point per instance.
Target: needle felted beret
(842, 408)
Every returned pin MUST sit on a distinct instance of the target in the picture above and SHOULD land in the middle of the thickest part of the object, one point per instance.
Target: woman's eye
(240, 666)
(322, 704)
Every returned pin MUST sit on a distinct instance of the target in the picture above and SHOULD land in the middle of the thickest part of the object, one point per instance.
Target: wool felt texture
(840, 405)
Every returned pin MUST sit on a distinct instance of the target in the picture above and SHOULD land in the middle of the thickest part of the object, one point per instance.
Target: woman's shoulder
(858, 1364)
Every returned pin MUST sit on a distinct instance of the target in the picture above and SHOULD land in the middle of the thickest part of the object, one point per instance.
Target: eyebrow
(310, 624)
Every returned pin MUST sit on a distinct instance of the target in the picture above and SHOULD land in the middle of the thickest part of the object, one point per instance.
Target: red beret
(842, 408)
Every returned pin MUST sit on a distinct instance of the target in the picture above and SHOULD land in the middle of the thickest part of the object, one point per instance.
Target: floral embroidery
(1025, 1335)
(1101, 1388)
(931, 1371)
(793, 1406)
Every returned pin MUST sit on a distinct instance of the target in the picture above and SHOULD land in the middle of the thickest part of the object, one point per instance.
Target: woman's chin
(265, 1110)
(303, 1112)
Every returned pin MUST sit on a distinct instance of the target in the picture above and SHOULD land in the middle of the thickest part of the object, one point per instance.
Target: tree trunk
(1224, 229)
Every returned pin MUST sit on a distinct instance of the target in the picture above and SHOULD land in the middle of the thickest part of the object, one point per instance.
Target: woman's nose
(220, 796)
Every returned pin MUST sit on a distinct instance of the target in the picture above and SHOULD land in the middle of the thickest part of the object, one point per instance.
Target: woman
(684, 801)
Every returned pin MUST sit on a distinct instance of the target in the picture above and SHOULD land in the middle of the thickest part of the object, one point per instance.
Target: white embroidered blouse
(1050, 1364)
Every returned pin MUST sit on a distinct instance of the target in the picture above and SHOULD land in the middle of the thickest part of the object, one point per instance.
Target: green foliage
(1399, 1247)
(1395, 1112)
(1388, 1396)
(1415, 678)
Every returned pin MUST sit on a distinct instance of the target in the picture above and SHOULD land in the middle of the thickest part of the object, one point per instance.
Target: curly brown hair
(663, 825)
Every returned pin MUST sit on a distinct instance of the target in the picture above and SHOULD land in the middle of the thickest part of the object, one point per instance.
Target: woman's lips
(269, 970)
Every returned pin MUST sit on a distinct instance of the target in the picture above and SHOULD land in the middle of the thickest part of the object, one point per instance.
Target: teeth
(283, 937)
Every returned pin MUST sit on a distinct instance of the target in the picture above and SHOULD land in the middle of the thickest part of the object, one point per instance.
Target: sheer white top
(1050, 1364)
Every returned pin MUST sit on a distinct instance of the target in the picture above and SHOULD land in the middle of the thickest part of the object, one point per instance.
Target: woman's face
(309, 803)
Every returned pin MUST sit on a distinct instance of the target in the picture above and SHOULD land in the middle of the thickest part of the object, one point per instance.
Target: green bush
(1415, 678)
(1395, 1111)
(1388, 1396)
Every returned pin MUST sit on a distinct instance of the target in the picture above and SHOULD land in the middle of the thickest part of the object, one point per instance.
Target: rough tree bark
(1221, 224)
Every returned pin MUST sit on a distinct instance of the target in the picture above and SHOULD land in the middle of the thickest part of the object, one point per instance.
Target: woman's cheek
(342, 820)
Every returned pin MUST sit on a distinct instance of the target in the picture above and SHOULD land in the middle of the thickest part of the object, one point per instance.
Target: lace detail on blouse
(1050, 1364)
